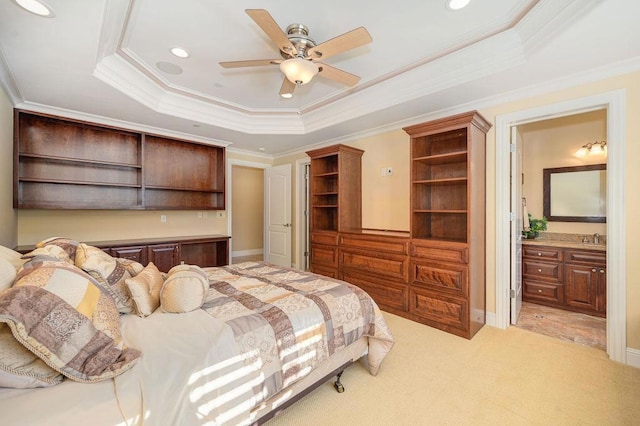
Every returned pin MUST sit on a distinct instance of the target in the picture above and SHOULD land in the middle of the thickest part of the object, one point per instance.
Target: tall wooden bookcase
(336, 202)
(447, 282)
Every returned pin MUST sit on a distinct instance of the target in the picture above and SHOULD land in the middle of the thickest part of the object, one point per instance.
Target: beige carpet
(500, 377)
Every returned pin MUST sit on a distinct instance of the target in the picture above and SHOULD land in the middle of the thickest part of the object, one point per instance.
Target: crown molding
(8, 81)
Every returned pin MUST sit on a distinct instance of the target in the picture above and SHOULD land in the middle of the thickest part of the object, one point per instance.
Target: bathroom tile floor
(566, 325)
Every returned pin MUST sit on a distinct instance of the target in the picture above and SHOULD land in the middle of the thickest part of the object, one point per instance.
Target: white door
(517, 207)
(277, 209)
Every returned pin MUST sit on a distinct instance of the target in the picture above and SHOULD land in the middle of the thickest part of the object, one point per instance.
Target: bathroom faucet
(585, 239)
(596, 238)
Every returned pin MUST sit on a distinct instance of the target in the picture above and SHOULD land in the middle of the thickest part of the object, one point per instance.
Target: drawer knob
(593, 270)
(539, 291)
(539, 254)
(539, 270)
(602, 271)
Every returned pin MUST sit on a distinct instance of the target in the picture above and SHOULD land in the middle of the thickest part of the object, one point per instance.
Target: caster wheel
(339, 387)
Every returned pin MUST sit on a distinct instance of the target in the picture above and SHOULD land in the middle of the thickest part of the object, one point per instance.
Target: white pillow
(7, 274)
(184, 290)
(12, 256)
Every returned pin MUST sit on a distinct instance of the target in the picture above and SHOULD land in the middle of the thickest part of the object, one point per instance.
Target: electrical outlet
(383, 172)
(199, 215)
(163, 218)
(205, 215)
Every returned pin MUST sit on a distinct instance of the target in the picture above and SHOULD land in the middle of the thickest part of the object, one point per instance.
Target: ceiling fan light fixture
(299, 71)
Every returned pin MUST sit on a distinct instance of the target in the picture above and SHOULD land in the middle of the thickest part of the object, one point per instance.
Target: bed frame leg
(339, 387)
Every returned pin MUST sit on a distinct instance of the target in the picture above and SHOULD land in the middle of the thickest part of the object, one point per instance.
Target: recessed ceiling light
(36, 7)
(169, 68)
(261, 149)
(179, 52)
(457, 4)
(287, 95)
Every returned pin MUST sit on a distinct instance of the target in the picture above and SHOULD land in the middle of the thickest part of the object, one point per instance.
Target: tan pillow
(20, 368)
(145, 290)
(68, 245)
(53, 251)
(108, 272)
(7, 274)
(184, 290)
(59, 313)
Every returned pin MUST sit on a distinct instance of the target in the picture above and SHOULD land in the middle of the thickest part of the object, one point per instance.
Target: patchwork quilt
(286, 322)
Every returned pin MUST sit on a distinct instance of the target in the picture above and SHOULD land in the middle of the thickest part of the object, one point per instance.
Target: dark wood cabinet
(447, 288)
(336, 202)
(166, 252)
(164, 256)
(62, 163)
(565, 278)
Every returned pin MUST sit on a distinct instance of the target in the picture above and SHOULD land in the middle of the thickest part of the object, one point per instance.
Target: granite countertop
(566, 241)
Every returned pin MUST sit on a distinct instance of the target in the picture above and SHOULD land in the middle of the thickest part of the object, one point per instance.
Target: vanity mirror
(575, 194)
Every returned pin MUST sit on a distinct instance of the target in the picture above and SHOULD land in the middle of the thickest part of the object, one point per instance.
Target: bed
(262, 337)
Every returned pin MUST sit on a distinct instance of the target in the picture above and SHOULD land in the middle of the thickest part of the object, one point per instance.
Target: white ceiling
(97, 60)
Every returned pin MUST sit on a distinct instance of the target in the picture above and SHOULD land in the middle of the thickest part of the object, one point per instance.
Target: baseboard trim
(247, 252)
(633, 357)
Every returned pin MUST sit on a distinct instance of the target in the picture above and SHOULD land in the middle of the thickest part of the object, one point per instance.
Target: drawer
(327, 271)
(542, 252)
(329, 238)
(586, 257)
(456, 253)
(386, 245)
(542, 270)
(136, 253)
(386, 293)
(377, 263)
(440, 309)
(543, 292)
(324, 255)
(439, 276)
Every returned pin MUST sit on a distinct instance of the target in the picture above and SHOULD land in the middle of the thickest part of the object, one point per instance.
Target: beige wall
(553, 143)
(247, 208)
(8, 218)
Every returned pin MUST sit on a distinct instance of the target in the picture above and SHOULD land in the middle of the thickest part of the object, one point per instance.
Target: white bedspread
(189, 375)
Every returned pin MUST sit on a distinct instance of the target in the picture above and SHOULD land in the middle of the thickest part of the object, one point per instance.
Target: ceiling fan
(301, 54)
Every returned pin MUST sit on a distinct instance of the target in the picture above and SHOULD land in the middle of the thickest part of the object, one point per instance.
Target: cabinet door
(164, 256)
(136, 253)
(582, 288)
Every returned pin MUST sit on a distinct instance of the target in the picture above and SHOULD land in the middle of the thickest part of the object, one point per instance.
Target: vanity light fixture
(592, 148)
(457, 4)
(36, 7)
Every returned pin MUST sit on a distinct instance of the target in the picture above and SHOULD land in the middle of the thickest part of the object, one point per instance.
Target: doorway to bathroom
(615, 106)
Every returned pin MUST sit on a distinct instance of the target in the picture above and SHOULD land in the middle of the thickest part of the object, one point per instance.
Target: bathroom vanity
(565, 274)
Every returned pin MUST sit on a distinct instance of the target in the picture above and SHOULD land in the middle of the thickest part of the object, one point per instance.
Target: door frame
(615, 104)
(228, 190)
(300, 211)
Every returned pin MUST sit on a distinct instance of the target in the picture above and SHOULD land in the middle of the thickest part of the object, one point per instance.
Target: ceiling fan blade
(286, 91)
(347, 41)
(250, 63)
(335, 74)
(271, 28)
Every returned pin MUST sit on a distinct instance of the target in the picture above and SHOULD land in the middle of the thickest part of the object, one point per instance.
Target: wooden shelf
(440, 181)
(80, 161)
(453, 157)
(69, 164)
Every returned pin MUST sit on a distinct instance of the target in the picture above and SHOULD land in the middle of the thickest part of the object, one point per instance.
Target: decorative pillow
(20, 368)
(108, 272)
(14, 257)
(68, 245)
(7, 274)
(184, 290)
(145, 290)
(132, 267)
(60, 314)
(51, 250)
